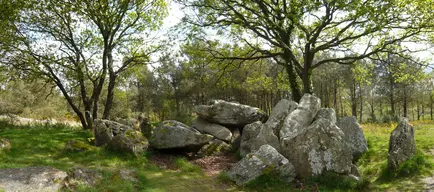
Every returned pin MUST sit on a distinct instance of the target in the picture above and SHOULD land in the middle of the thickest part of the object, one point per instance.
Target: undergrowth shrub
(329, 180)
(411, 167)
(269, 181)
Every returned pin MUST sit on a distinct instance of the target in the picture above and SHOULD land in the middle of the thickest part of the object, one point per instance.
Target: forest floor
(43, 146)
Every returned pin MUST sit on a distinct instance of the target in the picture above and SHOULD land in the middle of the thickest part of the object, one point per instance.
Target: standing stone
(278, 114)
(326, 113)
(229, 113)
(173, 134)
(262, 161)
(35, 179)
(105, 130)
(216, 130)
(300, 118)
(318, 148)
(401, 144)
(353, 136)
(255, 135)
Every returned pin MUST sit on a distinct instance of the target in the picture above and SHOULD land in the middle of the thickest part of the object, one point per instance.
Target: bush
(411, 167)
(329, 180)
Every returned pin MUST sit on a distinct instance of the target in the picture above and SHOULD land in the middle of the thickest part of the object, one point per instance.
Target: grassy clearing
(40, 145)
(43, 146)
(373, 165)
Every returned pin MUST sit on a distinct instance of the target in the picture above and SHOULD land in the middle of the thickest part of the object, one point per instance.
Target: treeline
(375, 90)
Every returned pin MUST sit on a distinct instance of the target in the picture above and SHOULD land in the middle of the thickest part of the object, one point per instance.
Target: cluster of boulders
(303, 139)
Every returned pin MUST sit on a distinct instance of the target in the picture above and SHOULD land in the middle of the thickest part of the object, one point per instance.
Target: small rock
(80, 176)
(76, 146)
(216, 130)
(401, 144)
(127, 175)
(35, 179)
(260, 162)
(5, 144)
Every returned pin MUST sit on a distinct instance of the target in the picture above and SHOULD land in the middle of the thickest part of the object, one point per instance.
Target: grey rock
(132, 142)
(216, 130)
(310, 102)
(106, 130)
(401, 144)
(327, 113)
(80, 176)
(128, 175)
(300, 118)
(214, 148)
(260, 162)
(35, 179)
(5, 143)
(278, 114)
(229, 113)
(318, 148)
(353, 136)
(295, 122)
(255, 135)
(236, 138)
(172, 134)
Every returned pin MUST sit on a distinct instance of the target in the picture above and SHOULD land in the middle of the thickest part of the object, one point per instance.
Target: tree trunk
(405, 102)
(110, 94)
(353, 101)
(361, 103)
(293, 84)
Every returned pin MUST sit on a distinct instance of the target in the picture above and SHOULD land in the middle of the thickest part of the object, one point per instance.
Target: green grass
(40, 145)
(373, 164)
(43, 146)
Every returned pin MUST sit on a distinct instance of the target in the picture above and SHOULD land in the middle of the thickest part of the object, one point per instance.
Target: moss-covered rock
(106, 130)
(77, 146)
(214, 148)
(80, 176)
(132, 142)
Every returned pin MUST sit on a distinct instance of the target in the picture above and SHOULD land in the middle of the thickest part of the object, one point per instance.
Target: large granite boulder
(106, 130)
(327, 113)
(5, 143)
(255, 135)
(282, 109)
(132, 142)
(300, 118)
(214, 148)
(229, 113)
(35, 179)
(353, 136)
(80, 176)
(216, 130)
(318, 148)
(265, 160)
(173, 134)
(401, 144)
